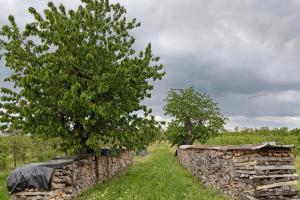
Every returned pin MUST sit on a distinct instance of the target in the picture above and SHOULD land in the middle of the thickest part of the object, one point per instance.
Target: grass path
(157, 176)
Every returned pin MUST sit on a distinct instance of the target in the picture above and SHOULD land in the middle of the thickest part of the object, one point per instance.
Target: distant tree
(195, 116)
(236, 129)
(295, 131)
(79, 78)
(3, 152)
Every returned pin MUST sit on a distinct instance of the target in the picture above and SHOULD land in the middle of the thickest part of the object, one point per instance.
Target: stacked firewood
(245, 172)
(267, 173)
(70, 180)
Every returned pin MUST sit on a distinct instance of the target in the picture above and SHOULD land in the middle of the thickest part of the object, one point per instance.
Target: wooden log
(274, 176)
(280, 184)
(261, 158)
(273, 167)
(245, 171)
(31, 193)
(245, 163)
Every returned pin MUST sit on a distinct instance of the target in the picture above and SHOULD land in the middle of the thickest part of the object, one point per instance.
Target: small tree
(195, 116)
(4, 152)
(78, 77)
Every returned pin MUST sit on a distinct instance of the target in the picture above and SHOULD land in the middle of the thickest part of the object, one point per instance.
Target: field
(3, 191)
(18, 150)
(256, 136)
(158, 175)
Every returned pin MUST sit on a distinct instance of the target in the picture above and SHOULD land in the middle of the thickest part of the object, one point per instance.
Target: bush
(3, 154)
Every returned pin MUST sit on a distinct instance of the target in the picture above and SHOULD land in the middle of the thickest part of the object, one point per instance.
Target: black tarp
(39, 175)
(36, 175)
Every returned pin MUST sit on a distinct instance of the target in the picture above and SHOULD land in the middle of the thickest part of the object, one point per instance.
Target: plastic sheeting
(36, 175)
(39, 175)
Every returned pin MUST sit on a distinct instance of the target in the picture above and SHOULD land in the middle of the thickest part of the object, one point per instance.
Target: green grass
(3, 190)
(157, 176)
(298, 170)
(254, 138)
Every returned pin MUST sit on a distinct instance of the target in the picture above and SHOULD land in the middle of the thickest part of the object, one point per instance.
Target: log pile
(70, 180)
(244, 172)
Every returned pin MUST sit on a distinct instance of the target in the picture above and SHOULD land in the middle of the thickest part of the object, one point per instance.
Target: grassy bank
(256, 136)
(155, 176)
(3, 191)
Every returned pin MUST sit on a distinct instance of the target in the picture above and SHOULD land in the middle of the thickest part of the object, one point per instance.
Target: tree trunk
(176, 152)
(189, 136)
(15, 154)
(84, 148)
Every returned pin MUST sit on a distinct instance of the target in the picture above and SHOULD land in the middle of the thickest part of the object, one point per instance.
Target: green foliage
(23, 149)
(195, 116)
(256, 136)
(3, 154)
(17, 150)
(78, 77)
(3, 188)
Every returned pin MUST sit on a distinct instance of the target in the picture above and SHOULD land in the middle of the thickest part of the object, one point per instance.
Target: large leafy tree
(77, 76)
(195, 116)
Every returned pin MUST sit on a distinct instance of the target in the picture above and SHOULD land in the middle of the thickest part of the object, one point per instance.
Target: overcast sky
(245, 54)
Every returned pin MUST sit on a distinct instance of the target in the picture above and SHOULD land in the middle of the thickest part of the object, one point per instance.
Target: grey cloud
(243, 53)
(263, 121)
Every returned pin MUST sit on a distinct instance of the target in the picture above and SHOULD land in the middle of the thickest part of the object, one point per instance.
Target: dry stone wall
(70, 180)
(244, 172)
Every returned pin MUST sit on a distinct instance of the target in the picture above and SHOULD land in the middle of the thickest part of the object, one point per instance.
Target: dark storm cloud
(245, 54)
